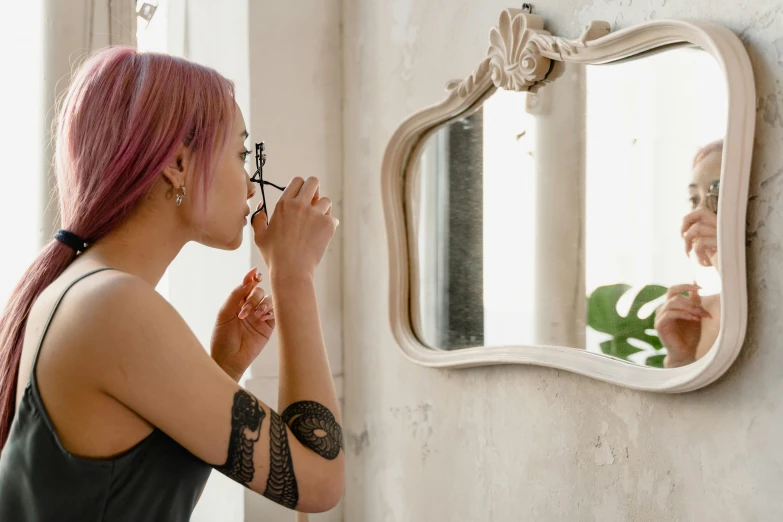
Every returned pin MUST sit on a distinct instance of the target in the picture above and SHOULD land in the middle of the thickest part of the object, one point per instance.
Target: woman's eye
(694, 201)
(244, 155)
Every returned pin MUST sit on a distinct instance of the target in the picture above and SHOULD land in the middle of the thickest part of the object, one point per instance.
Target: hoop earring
(181, 195)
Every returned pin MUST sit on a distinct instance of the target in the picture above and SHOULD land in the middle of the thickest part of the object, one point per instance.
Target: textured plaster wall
(527, 443)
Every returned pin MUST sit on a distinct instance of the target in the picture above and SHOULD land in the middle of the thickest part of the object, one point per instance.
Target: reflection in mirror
(583, 215)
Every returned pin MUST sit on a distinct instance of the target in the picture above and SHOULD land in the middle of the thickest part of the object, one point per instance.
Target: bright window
(22, 140)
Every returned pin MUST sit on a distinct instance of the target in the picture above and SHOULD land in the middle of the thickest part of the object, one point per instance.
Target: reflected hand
(243, 326)
(678, 324)
(700, 231)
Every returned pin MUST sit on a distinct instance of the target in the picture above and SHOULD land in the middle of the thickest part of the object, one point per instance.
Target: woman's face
(700, 225)
(704, 181)
(231, 189)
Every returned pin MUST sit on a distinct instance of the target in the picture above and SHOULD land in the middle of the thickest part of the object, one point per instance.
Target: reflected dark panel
(465, 321)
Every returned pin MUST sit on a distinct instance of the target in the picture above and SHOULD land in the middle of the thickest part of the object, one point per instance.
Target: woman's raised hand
(678, 324)
(295, 240)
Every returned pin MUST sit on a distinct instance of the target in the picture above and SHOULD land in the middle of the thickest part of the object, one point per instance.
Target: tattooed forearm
(281, 485)
(315, 427)
(246, 419)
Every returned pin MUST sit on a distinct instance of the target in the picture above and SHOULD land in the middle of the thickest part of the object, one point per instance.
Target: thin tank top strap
(32, 380)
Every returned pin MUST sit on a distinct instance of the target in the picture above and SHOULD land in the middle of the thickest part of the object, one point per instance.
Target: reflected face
(705, 179)
(701, 224)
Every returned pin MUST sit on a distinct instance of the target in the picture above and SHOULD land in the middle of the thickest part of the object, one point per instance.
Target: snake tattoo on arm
(246, 420)
(312, 424)
(315, 427)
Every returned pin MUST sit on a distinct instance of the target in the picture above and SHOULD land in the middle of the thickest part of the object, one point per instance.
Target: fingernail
(258, 277)
(258, 313)
(244, 311)
(263, 309)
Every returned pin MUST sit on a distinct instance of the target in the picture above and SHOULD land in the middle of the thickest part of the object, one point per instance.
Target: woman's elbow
(323, 500)
(325, 493)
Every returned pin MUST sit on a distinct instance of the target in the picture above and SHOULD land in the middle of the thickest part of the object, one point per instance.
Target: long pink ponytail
(121, 120)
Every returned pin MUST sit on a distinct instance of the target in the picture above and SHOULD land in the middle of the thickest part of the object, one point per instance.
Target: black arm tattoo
(281, 485)
(315, 427)
(246, 419)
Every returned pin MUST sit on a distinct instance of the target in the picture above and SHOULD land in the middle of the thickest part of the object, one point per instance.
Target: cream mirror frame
(522, 56)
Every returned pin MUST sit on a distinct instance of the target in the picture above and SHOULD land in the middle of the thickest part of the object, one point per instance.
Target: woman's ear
(175, 170)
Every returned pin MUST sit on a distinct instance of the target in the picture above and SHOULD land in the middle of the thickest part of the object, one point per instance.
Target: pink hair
(120, 122)
(706, 150)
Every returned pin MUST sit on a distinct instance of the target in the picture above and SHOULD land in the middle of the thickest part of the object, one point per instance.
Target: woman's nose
(251, 189)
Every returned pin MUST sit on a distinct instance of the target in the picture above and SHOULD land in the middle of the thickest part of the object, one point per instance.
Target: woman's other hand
(243, 326)
(678, 324)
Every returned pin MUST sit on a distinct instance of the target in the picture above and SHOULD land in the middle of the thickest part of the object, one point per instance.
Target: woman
(110, 409)
(688, 323)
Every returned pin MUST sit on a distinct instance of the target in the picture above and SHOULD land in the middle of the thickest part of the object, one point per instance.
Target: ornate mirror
(578, 204)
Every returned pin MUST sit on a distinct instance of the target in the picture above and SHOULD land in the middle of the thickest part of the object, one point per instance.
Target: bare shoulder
(118, 318)
(711, 302)
(121, 296)
(111, 302)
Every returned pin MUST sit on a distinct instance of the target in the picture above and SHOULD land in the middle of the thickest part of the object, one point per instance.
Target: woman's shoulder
(89, 292)
(711, 301)
(119, 295)
(104, 309)
(111, 322)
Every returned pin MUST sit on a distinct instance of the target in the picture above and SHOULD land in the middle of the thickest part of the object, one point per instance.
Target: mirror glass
(582, 215)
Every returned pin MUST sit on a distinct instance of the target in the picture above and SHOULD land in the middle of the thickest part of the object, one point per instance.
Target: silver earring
(180, 195)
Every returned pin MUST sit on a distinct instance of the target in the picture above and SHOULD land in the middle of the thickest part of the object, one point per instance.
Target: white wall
(524, 443)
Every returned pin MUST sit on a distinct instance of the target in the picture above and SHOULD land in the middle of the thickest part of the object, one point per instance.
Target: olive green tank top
(155, 480)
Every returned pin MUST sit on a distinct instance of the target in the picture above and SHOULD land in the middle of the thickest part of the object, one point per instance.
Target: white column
(560, 301)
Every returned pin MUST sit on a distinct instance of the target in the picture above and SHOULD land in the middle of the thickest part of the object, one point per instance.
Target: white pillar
(560, 298)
